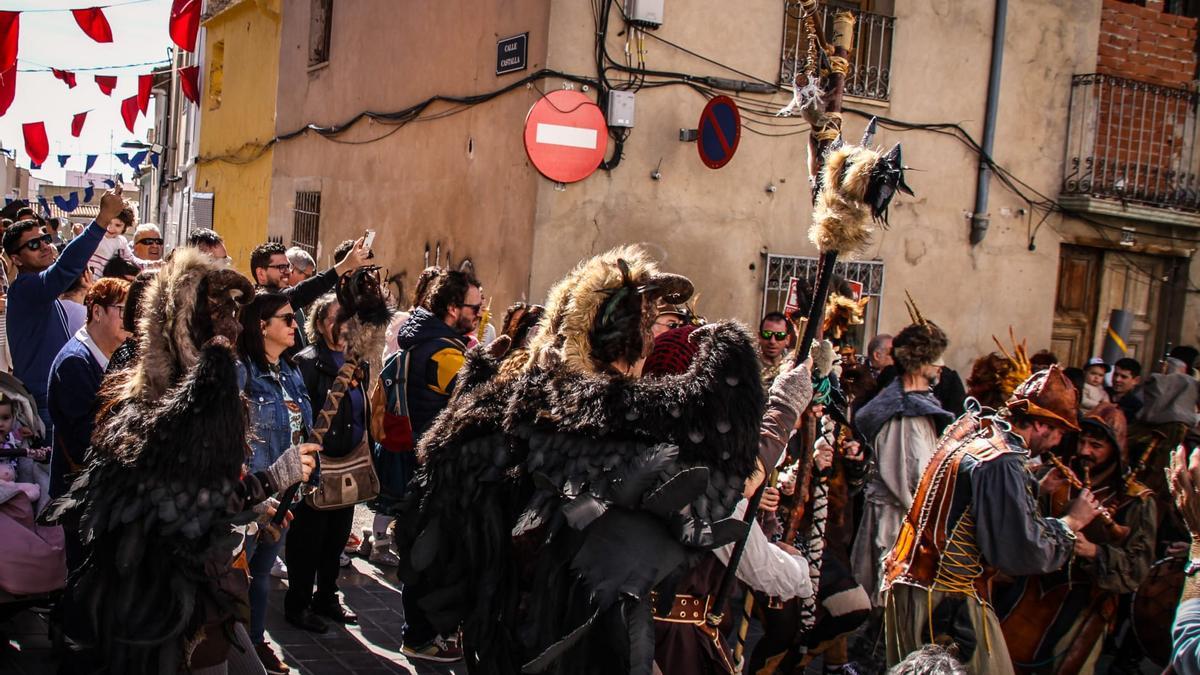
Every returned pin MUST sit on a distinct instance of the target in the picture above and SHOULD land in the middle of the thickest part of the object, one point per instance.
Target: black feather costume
(162, 490)
(551, 502)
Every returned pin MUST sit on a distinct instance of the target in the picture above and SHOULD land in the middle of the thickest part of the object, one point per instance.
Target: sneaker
(353, 543)
(279, 570)
(344, 560)
(438, 649)
(381, 553)
(269, 660)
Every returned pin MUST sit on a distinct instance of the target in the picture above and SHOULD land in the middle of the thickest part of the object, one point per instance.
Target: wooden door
(1075, 305)
(1133, 283)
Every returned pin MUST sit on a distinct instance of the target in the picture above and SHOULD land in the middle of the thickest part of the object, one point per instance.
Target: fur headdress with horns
(921, 343)
(191, 300)
(603, 309)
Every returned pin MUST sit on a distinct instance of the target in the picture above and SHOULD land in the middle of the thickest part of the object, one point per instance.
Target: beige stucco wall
(714, 225)
(420, 186)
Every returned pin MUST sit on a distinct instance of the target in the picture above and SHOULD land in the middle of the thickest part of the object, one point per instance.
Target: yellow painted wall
(237, 116)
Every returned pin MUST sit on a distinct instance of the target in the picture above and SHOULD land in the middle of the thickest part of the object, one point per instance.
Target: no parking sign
(720, 130)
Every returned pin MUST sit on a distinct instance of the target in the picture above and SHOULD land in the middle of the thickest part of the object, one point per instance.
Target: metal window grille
(320, 32)
(1133, 141)
(870, 61)
(781, 268)
(306, 221)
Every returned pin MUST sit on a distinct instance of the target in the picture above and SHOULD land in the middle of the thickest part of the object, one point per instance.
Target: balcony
(870, 61)
(1131, 150)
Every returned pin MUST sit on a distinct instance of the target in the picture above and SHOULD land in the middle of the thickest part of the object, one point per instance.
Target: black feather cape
(155, 508)
(549, 505)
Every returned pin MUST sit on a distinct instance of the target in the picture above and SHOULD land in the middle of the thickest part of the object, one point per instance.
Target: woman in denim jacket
(280, 416)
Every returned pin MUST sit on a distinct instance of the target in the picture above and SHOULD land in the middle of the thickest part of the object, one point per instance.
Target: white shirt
(83, 336)
(766, 567)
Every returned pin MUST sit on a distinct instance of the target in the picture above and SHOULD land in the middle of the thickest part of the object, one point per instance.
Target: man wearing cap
(903, 421)
(1109, 561)
(974, 515)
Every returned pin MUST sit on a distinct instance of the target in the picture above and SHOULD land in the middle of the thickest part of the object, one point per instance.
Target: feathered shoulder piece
(712, 411)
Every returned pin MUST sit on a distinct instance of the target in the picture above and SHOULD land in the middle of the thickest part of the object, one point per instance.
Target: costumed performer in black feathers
(158, 504)
(554, 497)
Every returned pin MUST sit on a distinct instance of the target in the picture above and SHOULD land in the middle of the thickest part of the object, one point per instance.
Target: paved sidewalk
(370, 648)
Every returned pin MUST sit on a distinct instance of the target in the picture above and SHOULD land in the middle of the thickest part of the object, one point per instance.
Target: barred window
(306, 221)
(320, 32)
(868, 273)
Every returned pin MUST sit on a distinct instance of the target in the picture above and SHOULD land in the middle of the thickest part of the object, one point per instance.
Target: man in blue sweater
(37, 329)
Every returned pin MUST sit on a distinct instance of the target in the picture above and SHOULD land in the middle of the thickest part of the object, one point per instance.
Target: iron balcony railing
(1132, 141)
(870, 62)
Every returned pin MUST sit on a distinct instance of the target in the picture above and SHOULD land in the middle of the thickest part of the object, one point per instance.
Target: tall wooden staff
(853, 186)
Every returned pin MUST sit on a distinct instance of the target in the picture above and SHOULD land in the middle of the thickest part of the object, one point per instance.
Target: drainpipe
(979, 217)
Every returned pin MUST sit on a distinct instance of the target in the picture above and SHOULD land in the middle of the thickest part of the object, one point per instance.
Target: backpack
(394, 428)
(390, 423)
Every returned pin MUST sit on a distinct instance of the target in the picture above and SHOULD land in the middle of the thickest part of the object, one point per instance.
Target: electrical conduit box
(620, 108)
(645, 13)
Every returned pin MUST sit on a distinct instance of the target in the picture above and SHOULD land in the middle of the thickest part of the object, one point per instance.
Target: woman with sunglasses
(280, 416)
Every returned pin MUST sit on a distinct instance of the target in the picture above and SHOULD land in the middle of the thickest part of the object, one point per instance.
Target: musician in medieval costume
(903, 422)
(818, 488)
(685, 642)
(552, 500)
(975, 514)
(163, 588)
(1056, 622)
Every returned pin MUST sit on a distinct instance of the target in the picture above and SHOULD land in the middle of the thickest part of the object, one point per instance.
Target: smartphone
(368, 241)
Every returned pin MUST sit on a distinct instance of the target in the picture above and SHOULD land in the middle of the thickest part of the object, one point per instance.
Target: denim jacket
(270, 434)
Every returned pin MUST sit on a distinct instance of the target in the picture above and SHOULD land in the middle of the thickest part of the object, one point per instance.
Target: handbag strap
(333, 400)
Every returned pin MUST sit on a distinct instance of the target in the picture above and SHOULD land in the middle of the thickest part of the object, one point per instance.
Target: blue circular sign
(720, 131)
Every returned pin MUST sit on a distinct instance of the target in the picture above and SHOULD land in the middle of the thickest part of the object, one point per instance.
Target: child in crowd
(114, 242)
(1093, 393)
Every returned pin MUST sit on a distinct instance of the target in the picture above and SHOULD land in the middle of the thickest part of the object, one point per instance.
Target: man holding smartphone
(270, 269)
(36, 326)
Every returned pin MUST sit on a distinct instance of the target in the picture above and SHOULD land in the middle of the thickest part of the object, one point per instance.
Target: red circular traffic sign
(566, 136)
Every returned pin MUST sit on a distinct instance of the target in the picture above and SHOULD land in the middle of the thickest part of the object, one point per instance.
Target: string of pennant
(135, 160)
(183, 26)
(66, 203)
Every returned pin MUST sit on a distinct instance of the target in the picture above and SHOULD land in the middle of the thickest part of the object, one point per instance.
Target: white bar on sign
(572, 137)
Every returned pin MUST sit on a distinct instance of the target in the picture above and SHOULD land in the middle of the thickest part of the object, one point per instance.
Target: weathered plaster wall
(714, 225)
(461, 182)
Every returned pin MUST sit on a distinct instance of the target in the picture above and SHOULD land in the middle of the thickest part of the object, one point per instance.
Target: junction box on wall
(645, 13)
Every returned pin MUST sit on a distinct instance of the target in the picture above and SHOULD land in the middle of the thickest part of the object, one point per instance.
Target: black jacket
(319, 370)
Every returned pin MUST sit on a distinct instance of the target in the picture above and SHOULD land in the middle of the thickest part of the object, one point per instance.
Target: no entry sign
(565, 136)
(720, 131)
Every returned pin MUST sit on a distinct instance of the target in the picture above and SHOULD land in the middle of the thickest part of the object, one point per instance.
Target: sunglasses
(289, 318)
(474, 308)
(36, 243)
(777, 335)
(283, 268)
(149, 241)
